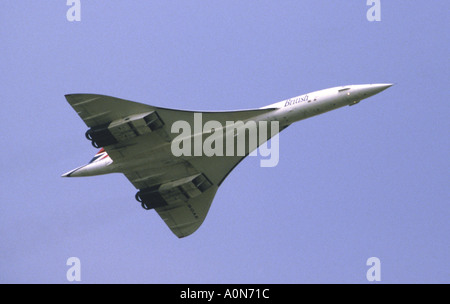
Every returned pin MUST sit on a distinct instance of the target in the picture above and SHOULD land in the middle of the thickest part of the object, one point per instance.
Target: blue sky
(362, 181)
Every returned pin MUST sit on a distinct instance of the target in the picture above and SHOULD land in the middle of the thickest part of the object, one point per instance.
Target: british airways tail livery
(178, 173)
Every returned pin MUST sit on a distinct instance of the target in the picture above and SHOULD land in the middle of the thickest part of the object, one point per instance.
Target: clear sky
(365, 181)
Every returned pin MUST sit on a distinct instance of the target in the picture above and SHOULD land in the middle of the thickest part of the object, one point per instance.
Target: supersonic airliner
(137, 140)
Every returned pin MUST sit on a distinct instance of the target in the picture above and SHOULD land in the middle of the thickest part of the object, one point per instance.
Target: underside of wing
(179, 193)
(186, 219)
(138, 139)
(183, 204)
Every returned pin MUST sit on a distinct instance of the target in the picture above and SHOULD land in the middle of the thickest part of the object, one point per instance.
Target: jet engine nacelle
(174, 192)
(124, 129)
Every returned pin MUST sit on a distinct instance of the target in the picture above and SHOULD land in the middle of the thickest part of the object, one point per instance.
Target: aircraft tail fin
(101, 154)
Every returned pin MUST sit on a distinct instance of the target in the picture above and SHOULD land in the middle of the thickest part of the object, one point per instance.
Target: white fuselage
(318, 102)
(285, 112)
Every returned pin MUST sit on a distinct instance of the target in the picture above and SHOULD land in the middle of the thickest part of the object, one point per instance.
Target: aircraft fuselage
(304, 106)
(285, 112)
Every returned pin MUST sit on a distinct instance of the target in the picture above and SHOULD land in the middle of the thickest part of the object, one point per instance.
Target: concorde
(139, 140)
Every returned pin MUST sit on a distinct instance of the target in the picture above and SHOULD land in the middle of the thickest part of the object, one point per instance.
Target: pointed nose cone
(367, 90)
(380, 87)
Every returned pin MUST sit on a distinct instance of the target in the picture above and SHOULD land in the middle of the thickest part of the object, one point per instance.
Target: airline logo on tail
(100, 164)
(99, 156)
